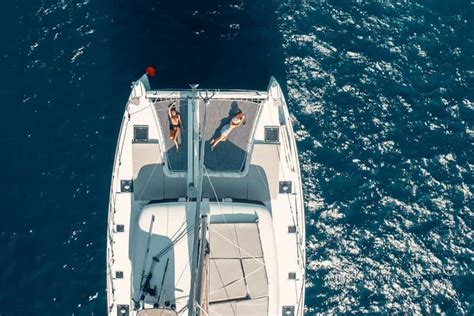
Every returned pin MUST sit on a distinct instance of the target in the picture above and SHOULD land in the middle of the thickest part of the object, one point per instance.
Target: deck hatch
(119, 274)
(140, 133)
(272, 134)
(292, 229)
(126, 185)
(288, 311)
(120, 228)
(285, 186)
(123, 310)
(292, 275)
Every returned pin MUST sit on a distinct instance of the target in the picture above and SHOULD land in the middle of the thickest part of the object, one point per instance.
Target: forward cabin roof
(241, 237)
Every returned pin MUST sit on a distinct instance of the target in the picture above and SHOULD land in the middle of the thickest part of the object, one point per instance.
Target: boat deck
(229, 156)
(142, 180)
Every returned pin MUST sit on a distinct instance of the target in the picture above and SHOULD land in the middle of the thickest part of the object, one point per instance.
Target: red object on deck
(150, 71)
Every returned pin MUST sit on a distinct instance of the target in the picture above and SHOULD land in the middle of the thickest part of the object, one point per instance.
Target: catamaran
(203, 230)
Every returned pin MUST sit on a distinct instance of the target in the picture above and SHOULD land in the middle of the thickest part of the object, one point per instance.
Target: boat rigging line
(163, 279)
(147, 249)
(145, 287)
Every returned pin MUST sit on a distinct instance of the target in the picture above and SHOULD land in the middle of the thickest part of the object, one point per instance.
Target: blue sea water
(382, 97)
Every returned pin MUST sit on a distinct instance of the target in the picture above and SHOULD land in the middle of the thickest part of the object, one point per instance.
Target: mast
(200, 247)
(193, 139)
(203, 266)
(192, 194)
(202, 275)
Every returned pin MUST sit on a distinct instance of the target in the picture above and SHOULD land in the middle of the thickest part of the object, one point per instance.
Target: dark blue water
(383, 101)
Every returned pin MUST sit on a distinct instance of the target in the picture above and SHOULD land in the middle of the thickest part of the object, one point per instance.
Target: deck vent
(285, 186)
(120, 228)
(123, 310)
(126, 186)
(140, 133)
(292, 275)
(119, 274)
(272, 134)
(288, 311)
(292, 229)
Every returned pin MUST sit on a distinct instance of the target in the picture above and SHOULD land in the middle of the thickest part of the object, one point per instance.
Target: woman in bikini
(237, 120)
(175, 124)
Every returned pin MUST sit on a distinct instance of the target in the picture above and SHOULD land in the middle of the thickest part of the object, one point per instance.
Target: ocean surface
(383, 102)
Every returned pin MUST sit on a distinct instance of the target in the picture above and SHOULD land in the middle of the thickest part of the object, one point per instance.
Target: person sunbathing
(175, 124)
(237, 120)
